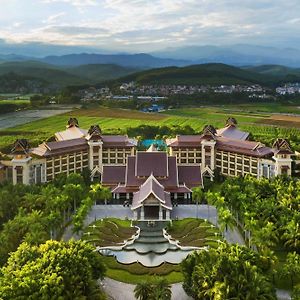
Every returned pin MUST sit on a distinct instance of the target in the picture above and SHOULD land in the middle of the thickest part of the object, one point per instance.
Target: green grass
(194, 232)
(21, 101)
(124, 276)
(108, 232)
(262, 125)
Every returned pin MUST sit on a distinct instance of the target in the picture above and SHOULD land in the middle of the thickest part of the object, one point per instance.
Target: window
(19, 173)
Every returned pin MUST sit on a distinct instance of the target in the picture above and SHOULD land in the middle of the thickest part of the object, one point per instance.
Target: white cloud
(77, 3)
(158, 23)
(53, 18)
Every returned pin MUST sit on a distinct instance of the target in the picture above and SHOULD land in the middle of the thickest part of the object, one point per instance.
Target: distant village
(155, 93)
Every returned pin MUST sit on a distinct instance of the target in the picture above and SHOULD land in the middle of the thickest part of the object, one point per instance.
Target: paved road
(26, 116)
(104, 211)
(123, 291)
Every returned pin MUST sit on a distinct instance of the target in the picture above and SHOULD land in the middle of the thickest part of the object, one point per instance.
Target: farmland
(256, 119)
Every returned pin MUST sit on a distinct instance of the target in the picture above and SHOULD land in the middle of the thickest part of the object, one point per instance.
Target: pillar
(160, 214)
(142, 213)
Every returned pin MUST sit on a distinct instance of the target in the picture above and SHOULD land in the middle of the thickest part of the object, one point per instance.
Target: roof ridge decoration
(21, 146)
(209, 131)
(94, 132)
(281, 144)
(72, 122)
(231, 122)
(257, 146)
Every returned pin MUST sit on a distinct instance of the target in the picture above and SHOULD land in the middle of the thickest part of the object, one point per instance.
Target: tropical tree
(59, 270)
(198, 196)
(292, 234)
(292, 266)
(156, 289)
(228, 272)
(143, 290)
(161, 289)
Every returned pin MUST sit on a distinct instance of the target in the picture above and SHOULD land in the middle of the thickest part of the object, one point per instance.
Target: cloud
(54, 18)
(77, 3)
(147, 25)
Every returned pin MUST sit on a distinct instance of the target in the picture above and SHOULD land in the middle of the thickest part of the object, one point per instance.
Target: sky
(142, 25)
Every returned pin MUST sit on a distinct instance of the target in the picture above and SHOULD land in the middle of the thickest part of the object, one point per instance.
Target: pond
(158, 143)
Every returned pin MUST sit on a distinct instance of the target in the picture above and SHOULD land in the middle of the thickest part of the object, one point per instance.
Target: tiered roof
(158, 164)
(151, 187)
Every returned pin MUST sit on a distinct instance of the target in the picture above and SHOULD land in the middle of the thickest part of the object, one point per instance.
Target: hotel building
(147, 178)
(229, 152)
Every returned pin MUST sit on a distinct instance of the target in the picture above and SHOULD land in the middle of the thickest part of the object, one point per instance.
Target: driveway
(124, 291)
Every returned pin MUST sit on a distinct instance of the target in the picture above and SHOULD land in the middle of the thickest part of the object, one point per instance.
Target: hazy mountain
(274, 70)
(206, 74)
(238, 55)
(63, 76)
(36, 49)
(127, 60)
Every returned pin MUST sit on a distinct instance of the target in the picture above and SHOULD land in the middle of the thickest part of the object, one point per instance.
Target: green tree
(228, 272)
(143, 290)
(54, 270)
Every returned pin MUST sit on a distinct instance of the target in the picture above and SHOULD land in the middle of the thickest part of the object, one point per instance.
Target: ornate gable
(21, 147)
(94, 133)
(73, 122)
(231, 122)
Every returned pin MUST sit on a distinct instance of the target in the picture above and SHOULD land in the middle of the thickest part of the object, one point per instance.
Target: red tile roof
(148, 163)
(190, 176)
(114, 174)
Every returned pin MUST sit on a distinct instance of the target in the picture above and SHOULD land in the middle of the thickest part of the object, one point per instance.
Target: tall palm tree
(143, 290)
(161, 289)
(197, 196)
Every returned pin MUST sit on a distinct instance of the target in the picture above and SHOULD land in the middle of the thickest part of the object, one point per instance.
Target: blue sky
(139, 25)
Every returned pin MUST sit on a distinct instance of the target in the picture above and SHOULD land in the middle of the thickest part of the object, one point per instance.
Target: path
(124, 291)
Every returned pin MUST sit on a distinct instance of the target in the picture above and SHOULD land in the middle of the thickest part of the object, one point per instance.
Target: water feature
(151, 248)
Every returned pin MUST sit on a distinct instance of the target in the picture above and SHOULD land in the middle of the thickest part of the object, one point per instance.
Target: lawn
(194, 232)
(19, 102)
(108, 232)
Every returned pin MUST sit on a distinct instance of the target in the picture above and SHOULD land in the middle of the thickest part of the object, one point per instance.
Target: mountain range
(236, 55)
(111, 74)
(206, 74)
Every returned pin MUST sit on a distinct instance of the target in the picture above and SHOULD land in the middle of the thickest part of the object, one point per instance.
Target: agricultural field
(263, 125)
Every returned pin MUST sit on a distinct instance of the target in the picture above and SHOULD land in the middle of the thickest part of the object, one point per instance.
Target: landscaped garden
(113, 232)
(194, 232)
(109, 232)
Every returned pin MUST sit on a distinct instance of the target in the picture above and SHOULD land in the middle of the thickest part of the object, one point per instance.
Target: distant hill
(276, 70)
(64, 76)
(282, 72)
(141, 60)
(100, 72)
(237, 55)
(206, 74)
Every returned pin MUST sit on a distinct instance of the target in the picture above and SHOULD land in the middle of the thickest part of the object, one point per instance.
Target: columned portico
(151, 202)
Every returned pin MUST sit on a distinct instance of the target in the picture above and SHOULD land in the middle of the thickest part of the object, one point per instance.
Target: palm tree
(161, 289)
(292, 235)
(197, 196)
(225, 219)
(143, 290)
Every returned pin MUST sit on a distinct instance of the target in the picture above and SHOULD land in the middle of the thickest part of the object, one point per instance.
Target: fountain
(152, 247)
